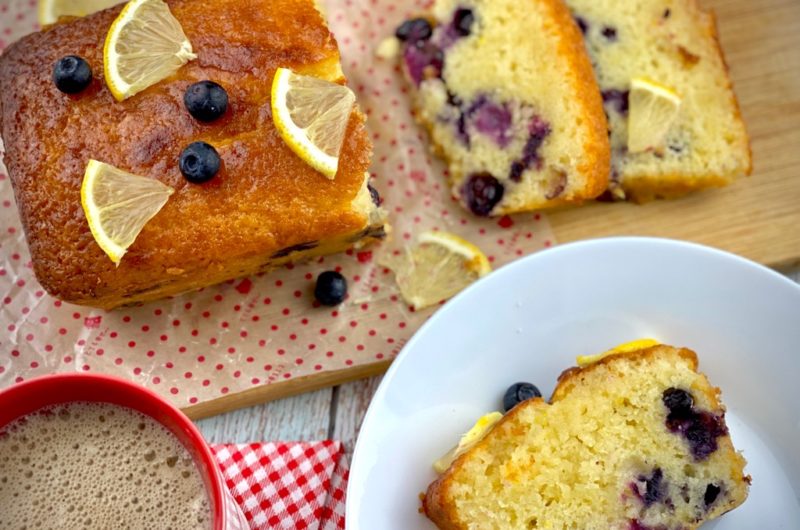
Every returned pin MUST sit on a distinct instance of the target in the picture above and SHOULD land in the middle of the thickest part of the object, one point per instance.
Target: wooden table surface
(331, 413)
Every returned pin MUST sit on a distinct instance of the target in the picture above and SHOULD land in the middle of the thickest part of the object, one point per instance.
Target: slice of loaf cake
(672, 43)
(634, 441)
(507, 92)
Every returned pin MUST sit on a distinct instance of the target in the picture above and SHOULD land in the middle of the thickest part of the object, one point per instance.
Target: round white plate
(529, 320)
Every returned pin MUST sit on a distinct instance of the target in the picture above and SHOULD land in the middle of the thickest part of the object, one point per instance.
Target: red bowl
(29, 396)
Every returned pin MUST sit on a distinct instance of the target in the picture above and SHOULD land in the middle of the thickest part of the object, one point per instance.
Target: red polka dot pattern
(265, 329)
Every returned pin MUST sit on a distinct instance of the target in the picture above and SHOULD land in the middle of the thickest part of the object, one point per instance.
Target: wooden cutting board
(757, 217)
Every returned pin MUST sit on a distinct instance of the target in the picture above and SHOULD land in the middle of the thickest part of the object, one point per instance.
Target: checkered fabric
(295, 485)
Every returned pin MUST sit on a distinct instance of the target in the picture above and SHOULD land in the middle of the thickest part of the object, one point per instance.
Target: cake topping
(481, 192)
(311, 115)
(205, 100)
(144, 45)
(634, 345)
(72, 74)
(700, 428)
(118, 204)
(199, 162)
(519, 392)
(331, 288)
(468, 440)
(653, 110)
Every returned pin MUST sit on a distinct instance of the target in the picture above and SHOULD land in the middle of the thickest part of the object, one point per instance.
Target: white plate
(531, 319)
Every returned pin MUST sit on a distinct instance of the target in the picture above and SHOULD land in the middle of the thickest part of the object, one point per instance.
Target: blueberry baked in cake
(506, 91)
(674, 120)
(632, 440)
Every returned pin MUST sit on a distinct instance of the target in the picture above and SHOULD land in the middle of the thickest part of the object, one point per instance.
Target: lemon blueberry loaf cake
(636, 440)
(235, 199)
(507, 93)
(674, 119)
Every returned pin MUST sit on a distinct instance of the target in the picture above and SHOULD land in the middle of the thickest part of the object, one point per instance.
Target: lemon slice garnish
(627, 347)
(311, 115)
(118, 204)
(468, 440)
(652, 109)
(144, 45)
(439, 266)
(50, 10)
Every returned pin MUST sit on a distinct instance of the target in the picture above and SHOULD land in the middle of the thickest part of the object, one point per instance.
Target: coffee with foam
(97, 466)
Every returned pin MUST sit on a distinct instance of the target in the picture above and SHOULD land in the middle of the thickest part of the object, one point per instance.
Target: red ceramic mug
(50, 390)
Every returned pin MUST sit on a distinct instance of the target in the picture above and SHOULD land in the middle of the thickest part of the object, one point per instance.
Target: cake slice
(634, 441)
(507, 93)
(672, 43)
(263, 208)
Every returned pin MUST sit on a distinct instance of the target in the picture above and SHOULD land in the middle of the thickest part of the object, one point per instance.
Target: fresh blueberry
(205, 100)
(712, 491)
(463, 20)
(482, 192)
(517, 393)
(610, 33)
(376, 197)
(71, 74)
(414, 30)
(199, 162)
(331, 288)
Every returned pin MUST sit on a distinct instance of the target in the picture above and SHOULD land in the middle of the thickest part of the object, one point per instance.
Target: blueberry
(582, 24)
(655, 487)
(462, 21)
(414, 30)
(205, 100)
(610, 33)
(517, 393)
(482, 192)
(424, 60)
(71, 74)
(617, 98)
(373, 193)
(331, 288)
(712, 491)
(199, 162)
(677, 401)
(493, 120)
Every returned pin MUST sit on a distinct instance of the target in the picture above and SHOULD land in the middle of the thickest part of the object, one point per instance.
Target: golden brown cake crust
(264, 198)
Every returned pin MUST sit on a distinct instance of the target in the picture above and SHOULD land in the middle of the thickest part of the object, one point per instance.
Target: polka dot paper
(266, 329)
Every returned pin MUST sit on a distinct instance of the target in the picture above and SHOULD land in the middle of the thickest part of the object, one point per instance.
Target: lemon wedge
(439, 266)
(144, 45)
(311, 115)
(50, 10)
(468, 440)
(627, 347)
(118, 204)
(652, 109)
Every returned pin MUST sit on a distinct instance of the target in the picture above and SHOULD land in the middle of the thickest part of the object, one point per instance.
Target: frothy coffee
(97, 466)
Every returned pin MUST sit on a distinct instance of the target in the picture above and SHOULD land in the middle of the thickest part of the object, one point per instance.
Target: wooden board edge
(292, 387)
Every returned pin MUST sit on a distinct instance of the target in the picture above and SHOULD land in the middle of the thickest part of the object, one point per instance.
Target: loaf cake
(265, 206)
(633, 441)
(506, 90)
(673, 43)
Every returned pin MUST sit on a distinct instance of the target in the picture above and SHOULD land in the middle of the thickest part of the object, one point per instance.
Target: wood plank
(351, 405)
(291, 387)
(756, 217)
(304, 417)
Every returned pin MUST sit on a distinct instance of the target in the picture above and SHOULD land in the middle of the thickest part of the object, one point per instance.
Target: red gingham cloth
(294, 485)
